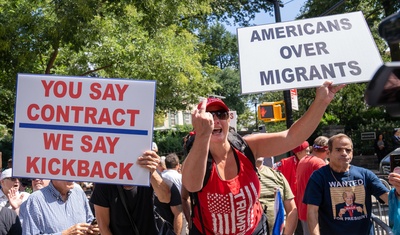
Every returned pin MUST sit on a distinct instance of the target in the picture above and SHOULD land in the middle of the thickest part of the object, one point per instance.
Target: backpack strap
(240, 144)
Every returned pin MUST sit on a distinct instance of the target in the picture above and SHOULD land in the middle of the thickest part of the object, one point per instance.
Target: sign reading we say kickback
(82, 129)
(305, 53)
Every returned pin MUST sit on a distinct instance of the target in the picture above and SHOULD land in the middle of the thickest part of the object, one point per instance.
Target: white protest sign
(305, 53)
(82, 129)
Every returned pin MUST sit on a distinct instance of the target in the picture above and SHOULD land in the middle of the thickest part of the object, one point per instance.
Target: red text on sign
(79, 168)
(77, 114)
(61, 88)
(109, 91)
(102, 144)
(53, 141)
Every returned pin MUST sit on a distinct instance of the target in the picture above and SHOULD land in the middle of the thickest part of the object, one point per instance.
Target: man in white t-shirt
(171, 173)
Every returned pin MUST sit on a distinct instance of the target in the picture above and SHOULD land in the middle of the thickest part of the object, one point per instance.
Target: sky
(289, 11)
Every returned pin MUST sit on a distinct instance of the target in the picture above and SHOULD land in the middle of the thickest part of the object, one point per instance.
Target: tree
(115, 39)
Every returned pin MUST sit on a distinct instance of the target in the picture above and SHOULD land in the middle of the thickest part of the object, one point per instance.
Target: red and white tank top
(230, 206)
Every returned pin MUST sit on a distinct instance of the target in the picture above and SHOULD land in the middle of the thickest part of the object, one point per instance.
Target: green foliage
(171, 141)
(6, 148)
(375, 125)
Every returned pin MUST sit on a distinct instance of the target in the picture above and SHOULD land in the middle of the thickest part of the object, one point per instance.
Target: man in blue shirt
(337, 182)
(59, 208)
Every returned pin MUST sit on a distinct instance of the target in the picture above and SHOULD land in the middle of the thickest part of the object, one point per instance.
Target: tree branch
(94, 70)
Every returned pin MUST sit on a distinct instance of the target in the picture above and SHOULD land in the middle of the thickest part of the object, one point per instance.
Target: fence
(379, 217)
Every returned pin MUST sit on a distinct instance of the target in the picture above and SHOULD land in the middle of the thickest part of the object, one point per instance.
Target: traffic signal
(271, 111)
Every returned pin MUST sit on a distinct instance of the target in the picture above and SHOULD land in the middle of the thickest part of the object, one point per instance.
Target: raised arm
(302, 129)
(149, 160)
(194, 167)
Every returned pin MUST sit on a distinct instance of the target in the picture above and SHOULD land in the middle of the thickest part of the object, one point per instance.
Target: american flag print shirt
(230, 206)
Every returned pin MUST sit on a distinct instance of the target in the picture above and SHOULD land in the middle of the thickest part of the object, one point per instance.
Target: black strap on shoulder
(240, 144)
(123, 200)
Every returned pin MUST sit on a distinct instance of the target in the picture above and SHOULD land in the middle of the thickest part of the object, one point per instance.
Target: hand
(394, 180)
(15, 198)
(202, 121)
(93, 229)
(149, 160)
(327, 91)
(342, 212)
(80, 228)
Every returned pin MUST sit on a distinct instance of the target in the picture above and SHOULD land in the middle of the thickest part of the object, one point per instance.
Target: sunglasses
(221, 114)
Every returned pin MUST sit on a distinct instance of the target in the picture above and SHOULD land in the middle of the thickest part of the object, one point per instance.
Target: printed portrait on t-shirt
(348, 203)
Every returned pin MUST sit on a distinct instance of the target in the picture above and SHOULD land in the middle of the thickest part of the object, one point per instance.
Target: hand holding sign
(149, 160)
(327, 91)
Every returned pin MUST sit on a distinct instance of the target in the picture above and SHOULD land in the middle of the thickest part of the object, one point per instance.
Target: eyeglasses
(221, 114)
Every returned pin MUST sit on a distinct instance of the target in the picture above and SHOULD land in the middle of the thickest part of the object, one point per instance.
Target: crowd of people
(222, 187)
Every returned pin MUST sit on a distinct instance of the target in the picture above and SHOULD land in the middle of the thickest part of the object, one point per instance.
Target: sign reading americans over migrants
(82, 129)
(305, 53)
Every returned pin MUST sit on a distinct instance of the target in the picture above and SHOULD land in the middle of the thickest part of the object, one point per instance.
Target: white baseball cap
(7, 173)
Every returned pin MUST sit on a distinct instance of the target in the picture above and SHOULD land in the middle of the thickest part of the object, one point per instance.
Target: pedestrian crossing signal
(271, 111)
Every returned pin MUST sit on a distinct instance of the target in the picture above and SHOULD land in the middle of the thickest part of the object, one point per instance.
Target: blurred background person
(271, 180)
(380, 147)
(9, 194)
(38, 184)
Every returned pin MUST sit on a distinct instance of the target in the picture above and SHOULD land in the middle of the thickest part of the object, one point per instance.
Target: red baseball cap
(212, 101)
(301, 147)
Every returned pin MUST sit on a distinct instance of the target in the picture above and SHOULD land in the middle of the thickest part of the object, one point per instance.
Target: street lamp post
(255, 111)
(286, 93)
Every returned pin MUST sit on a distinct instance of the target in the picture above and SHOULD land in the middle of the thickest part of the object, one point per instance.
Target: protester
(288, 167)
(271, 180)
(171, 174)
(110, 211)
(396, 138)
(9, 163)
(172, 211)
(154, 147)
(9, 194)
(161, 166)
(38, 184)
(330, 186)
(229, 202)
(9, 222)
(394, 202)
(380, 147)
(59, 208)
(305, 168)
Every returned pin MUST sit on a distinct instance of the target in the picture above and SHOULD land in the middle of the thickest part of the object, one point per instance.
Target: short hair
(320, 144)
(338, 136)
(345, 193)
(171, 161)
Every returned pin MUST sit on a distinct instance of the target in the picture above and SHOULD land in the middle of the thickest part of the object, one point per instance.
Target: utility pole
(286, 93)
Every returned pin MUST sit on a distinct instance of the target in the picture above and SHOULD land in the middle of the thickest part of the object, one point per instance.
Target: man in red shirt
(288, 167)
(305, 168)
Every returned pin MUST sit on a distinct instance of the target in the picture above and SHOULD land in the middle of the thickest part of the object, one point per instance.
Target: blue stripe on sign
(83, 129)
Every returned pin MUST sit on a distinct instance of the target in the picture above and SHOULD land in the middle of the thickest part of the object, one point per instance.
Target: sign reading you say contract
(82, 129)
(305, 53)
